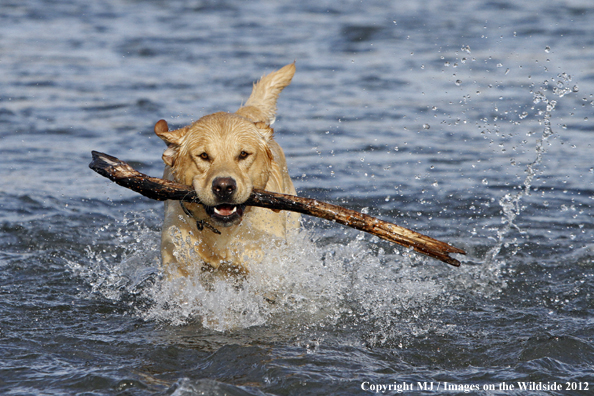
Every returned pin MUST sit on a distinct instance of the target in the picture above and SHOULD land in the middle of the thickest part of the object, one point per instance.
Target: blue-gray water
(470, 121)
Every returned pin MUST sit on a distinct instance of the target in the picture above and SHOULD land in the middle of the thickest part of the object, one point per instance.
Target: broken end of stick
(111, 167)
(124, 175)
(452, 261)
(99, 165)
(423, 244)
(442, 253)
(102, 160)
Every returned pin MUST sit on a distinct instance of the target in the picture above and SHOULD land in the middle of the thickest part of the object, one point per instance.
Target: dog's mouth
(225, 214)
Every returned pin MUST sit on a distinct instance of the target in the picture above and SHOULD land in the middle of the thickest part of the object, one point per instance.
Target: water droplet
(396, 148)
(575, 88)
(547, 49)
(426, 126)
(458, 82)
(485, 182)
(447, 64)
(523, 115)
(507, 71)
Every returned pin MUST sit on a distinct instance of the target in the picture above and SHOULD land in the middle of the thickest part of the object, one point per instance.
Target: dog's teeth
(227, 213)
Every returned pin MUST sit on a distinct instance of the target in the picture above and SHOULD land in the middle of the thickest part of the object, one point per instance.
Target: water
(470, 122)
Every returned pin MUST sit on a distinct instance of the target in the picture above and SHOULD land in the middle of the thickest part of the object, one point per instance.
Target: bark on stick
(160, 189)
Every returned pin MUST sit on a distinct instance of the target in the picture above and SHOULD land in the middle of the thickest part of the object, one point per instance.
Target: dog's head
(224, 156)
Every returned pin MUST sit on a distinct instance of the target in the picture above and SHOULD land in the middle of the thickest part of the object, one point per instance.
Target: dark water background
(470, 121)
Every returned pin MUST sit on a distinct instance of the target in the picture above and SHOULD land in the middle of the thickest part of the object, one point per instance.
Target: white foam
(304, 283)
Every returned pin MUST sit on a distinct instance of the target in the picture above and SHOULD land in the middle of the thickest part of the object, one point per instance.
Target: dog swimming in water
(223, 156)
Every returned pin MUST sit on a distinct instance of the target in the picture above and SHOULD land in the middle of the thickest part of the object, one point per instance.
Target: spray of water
(288, 279)
(510, 203)
(303, 284)
(306, 281)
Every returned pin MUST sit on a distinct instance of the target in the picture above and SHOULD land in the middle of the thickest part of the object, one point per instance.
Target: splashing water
(287, 280)
(510, 203)
(122, 264)
(304, 283)
(290, 278)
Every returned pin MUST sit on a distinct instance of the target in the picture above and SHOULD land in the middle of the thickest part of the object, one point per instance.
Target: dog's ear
(172, 138)
(261, 105)
(265, 130)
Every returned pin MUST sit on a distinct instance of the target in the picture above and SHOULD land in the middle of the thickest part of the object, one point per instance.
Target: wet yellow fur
(222, 137)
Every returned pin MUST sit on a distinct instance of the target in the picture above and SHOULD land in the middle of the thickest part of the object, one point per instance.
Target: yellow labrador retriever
(224, 156)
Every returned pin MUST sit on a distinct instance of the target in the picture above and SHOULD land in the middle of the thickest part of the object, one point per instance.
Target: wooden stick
(161, 190)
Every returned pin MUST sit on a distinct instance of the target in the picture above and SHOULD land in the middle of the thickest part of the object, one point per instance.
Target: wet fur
(224, 146)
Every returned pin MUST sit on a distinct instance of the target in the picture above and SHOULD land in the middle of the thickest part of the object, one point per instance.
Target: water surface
(471, 122)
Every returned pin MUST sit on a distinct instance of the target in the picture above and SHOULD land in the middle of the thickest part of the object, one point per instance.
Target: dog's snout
(224, 187)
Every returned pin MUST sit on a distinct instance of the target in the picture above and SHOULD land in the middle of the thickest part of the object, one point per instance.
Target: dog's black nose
(224, 187)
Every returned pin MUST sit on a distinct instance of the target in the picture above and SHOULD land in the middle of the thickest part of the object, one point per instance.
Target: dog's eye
(243, 155)
(204, 156)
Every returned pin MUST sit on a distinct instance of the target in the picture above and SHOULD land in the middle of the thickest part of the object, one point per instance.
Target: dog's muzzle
(227, 212)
